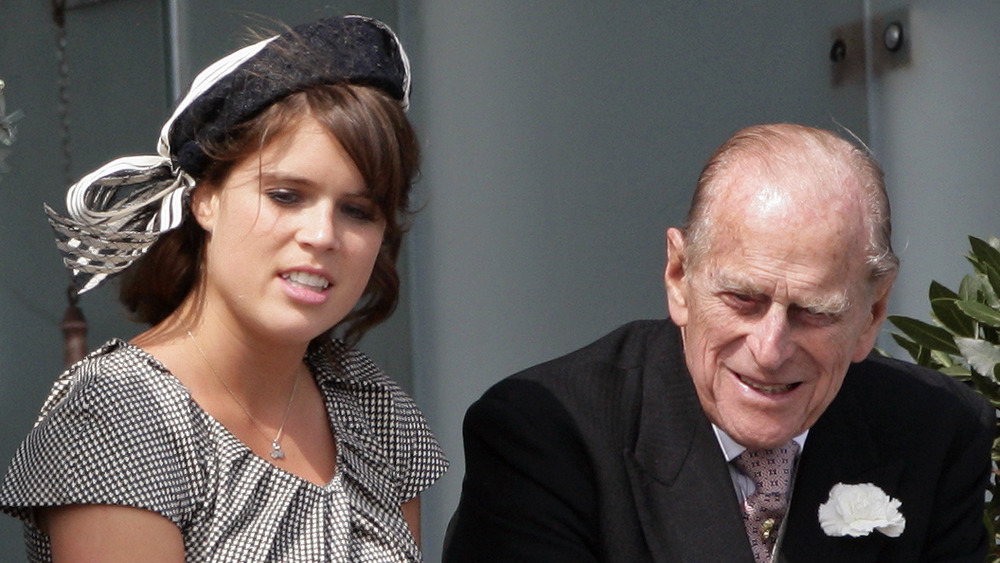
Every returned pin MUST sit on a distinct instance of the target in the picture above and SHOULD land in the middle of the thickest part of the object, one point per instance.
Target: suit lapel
(840, 449)
(680, 481)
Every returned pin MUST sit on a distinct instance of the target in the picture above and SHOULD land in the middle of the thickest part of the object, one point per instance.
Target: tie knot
(770, 470)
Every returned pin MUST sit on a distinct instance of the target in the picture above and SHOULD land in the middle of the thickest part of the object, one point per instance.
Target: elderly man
(755, 423)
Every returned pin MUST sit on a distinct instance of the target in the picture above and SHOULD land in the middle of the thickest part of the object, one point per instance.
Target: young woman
(260, 245)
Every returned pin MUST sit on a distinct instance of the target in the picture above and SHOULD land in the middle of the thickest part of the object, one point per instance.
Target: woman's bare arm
(107, 533)
(411, 513)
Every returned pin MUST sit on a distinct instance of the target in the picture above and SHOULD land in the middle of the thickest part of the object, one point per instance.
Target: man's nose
(770, 338)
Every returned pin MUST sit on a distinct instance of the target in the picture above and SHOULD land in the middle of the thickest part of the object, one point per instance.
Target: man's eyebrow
(833, 304)
(731, 284)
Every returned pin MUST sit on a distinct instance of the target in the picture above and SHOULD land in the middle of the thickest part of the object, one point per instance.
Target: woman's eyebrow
(296, 179)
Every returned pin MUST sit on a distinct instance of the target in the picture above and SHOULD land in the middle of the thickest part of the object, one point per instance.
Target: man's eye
(740, 301)
(819, 317)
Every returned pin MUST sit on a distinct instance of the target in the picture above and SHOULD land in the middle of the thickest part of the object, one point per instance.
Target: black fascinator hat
(118, 211)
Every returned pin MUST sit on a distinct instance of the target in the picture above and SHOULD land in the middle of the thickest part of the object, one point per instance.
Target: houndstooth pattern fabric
(771, 472)
(118, 428)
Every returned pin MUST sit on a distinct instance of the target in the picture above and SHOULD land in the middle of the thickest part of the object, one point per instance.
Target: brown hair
(377, 136)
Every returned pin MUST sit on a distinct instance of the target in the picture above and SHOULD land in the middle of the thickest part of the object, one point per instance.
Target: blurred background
(561, 138)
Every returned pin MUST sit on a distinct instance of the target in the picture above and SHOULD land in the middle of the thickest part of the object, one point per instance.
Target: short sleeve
(113, 431)
(421, 460)
(393, 451)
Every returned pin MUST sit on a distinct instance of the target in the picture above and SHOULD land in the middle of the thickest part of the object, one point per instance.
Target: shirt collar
(732, 449)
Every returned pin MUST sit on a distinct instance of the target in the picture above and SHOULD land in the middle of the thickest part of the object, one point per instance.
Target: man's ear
(873, 323)
(675, 278)
(205, 206)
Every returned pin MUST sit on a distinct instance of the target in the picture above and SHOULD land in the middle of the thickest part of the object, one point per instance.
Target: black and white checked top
(118, 428)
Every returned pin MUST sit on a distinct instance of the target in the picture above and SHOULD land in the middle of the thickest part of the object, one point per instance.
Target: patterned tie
(771, 472)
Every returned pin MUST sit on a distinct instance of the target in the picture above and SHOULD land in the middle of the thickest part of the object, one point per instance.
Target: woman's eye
(360, 211)
(284, 197)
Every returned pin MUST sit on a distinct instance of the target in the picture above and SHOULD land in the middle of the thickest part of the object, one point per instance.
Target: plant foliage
(964, 342)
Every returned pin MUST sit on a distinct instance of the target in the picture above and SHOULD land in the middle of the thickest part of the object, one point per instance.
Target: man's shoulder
(632, 346)
(594, 391)
(919, 382)
(600, 371)
(899, 386)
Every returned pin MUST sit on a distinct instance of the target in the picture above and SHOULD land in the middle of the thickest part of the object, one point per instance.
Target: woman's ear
(205, 205)
(675, 278)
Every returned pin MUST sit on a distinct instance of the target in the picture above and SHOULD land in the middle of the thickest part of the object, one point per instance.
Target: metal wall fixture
(893, 37)
(890, 42)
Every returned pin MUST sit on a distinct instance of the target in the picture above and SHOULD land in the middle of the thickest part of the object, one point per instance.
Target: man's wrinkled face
(774, 312)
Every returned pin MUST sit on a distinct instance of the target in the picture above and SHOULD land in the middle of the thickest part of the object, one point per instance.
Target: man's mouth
(768, 389)
(306, 280)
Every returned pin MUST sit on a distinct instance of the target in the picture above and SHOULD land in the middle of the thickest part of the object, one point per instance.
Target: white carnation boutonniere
(856, 510)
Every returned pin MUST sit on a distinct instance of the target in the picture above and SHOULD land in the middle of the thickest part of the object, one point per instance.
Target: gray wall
(117, 102)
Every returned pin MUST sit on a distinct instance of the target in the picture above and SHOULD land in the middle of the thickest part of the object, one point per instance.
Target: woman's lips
(306, 280)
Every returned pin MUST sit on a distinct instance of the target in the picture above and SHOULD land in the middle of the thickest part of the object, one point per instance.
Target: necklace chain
(276, 451)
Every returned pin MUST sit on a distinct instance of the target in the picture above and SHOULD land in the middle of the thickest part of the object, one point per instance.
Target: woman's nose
(318, 229)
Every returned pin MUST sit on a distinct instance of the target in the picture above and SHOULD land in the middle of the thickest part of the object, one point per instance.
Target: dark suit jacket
(605, 455)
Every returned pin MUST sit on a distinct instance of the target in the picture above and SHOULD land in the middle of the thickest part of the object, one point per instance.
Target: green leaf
(948, 313)
(989, 333)
(976, 264)
(969, 288)
(976, 287)
(984, 253)
(924, 334)
(956, 370)
(986, 387)
(926, 358)
(993, 283)
(982, 313)
(940, 360)
(938, 291)
(911, 347)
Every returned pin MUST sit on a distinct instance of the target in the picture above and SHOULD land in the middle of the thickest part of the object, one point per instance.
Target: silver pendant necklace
(276, 452)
